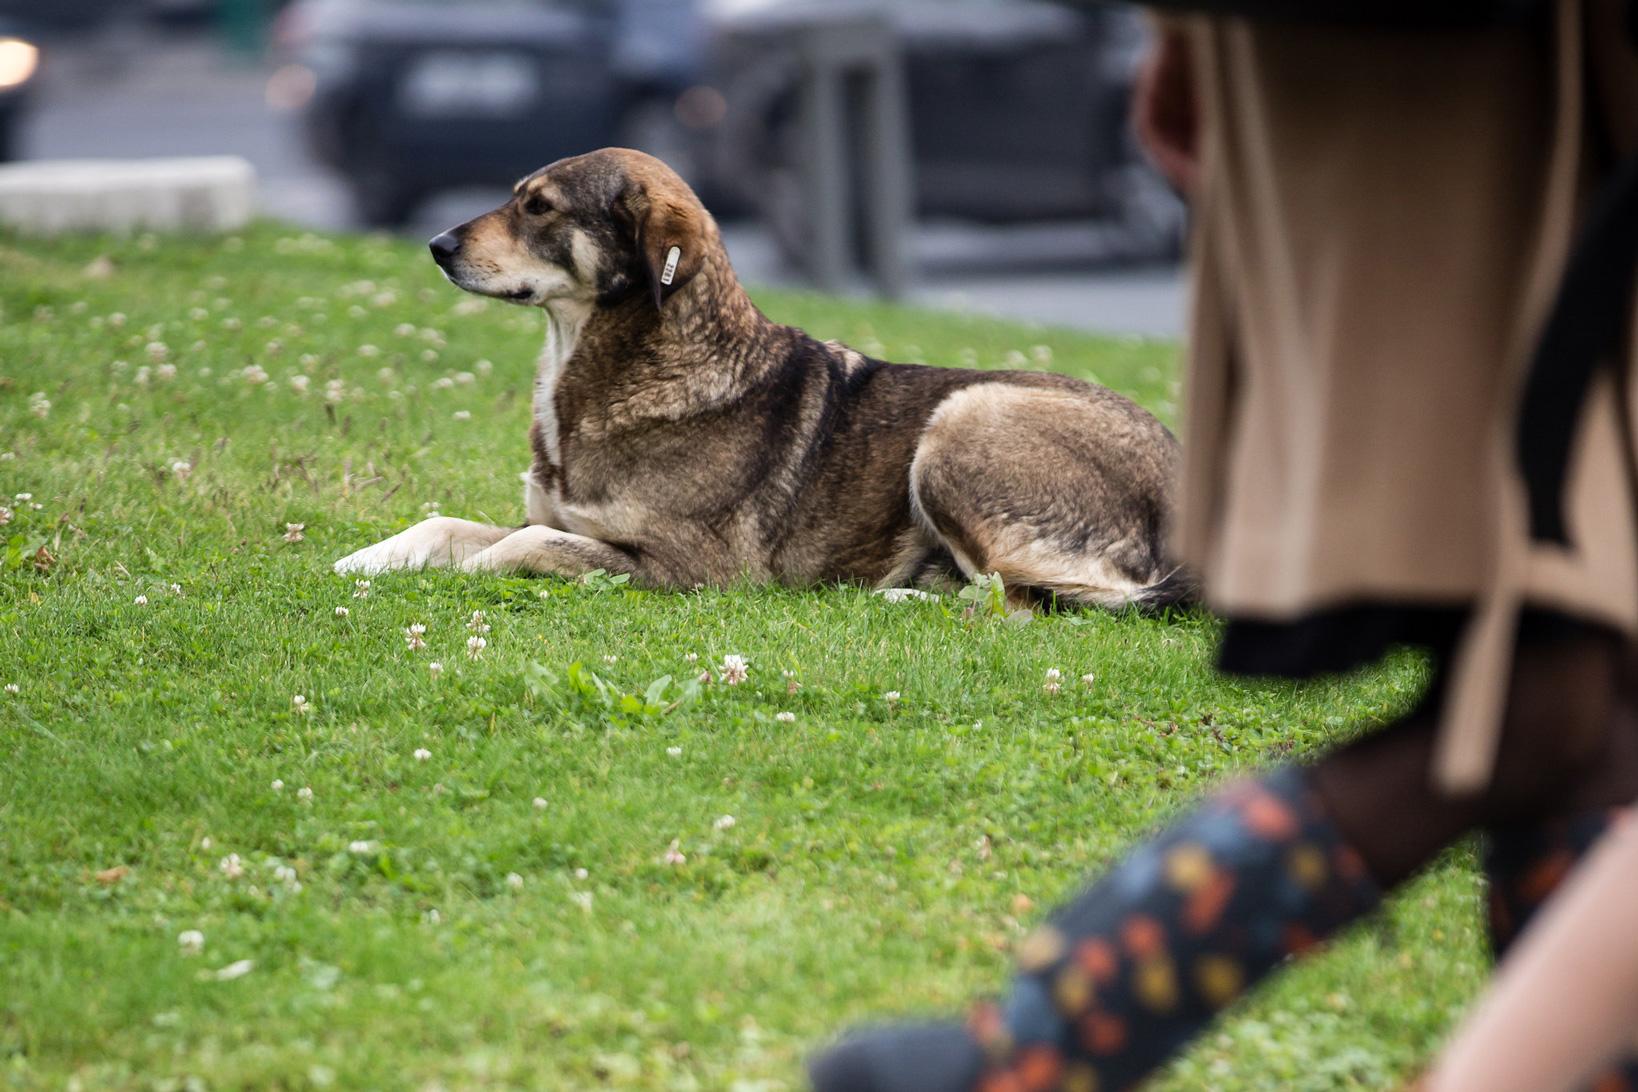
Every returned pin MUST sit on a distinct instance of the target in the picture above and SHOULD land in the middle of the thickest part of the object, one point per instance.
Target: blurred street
(143, 93)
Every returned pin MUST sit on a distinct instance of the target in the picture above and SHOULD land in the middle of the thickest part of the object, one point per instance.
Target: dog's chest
(564, 322)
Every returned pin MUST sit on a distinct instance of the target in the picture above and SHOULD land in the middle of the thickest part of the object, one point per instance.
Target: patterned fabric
(1120, 979)
(1124, 976)
(1525, 866)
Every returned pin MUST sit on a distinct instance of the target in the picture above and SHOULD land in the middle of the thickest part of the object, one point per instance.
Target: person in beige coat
(1383, 222)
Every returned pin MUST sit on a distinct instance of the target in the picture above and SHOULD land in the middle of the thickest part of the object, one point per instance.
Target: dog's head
(597, 228)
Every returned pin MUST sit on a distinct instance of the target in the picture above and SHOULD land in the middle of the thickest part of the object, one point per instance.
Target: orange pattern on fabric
(1103, 1033)
(1268, 817)
(1143, 937)
(1039, 1069)
(1205, 907)
(1098, 957)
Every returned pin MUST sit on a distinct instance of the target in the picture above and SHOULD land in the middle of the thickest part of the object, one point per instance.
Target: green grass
(883, 856)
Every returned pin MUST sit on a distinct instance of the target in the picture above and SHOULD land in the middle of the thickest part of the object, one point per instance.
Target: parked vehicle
(19, 66)
(1018, 112)
(410, 97)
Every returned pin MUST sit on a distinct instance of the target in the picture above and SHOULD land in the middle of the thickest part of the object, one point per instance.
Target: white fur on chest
(564, 319)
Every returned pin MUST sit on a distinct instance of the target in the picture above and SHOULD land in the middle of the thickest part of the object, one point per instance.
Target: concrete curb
(51, 197)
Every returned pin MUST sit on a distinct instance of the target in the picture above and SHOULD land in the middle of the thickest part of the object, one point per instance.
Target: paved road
(152, 97)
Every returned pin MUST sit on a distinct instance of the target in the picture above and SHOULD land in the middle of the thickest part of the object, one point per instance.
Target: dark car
(19, 66)
(410, 97)
(1018, 112)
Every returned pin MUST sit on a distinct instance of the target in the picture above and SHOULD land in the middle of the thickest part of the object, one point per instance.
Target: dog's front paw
(368, 561)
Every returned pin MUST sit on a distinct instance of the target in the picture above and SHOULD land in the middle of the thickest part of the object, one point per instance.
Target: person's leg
(1527, 864)
(1122, 977)
(1566, 1001)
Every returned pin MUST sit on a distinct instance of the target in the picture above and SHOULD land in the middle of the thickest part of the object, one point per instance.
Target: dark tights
(1569, 744)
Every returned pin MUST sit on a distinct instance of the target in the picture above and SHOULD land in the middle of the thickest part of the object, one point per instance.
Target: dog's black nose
(444, 247)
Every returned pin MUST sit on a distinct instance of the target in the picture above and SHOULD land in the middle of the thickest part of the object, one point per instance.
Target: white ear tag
(670, 270)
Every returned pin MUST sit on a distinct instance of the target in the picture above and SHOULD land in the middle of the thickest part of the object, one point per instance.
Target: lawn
(562, 864)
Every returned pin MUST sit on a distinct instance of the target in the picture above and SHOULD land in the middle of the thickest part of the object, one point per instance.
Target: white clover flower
(1089, 678)
(724, 822)
(176, 589)
(734, 670)
(475, 646)
(191, 941)
(674, 752)
(1053, 682)
(13, 688)
(422, 754)
(442, 383)
(299, 703)
(415, 636)
(369, 351)
(182, 469)
(236, 969)
(158, 351)
(142, 375)
(476, 623)
(1053, 674)
(5, 515)
(141, 600)
(581, 874)
(39, 405)
(465, 379)
(514, 881)
(463, 415)
(24, 497)
(342, 612)
(435, 668)
(277, 785)
(610, 658)
(286, 875)
(692, 657)
(674, 854)
(334, 391)
(891, 697)
(293, 532)
(232, 867)
(361, 847)
(166, 372)
(704, 677)
(483, 367)
(254, 374)
(305, 794)
(205, 842)
(785, 717)
(300, 383)
(361, 589)
(404, 329)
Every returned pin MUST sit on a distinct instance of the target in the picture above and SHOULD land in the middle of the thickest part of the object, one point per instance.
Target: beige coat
(1382, 221)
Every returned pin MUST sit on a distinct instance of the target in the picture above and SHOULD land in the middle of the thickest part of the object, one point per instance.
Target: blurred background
(965, 154)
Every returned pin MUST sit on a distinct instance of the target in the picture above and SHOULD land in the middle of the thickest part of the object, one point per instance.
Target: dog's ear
(669, 234)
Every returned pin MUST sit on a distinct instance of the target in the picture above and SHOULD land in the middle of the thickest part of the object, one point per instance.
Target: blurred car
(405, 98)
(19, 66)
(1018, 112)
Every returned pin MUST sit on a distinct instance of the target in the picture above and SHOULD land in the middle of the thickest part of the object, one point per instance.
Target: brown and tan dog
(683, 438)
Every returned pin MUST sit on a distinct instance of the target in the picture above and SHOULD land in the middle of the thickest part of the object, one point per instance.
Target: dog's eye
(537, 206)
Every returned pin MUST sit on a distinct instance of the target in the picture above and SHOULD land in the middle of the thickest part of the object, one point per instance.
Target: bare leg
(435, 542)
(1566, 1001)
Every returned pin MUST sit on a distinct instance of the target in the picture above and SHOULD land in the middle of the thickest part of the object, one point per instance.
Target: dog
(683, 438)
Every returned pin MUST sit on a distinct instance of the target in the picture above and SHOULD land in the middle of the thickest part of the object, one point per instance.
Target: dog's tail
(1177, 588)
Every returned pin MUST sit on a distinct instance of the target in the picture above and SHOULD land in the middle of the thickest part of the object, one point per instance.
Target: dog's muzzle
(444, 248)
